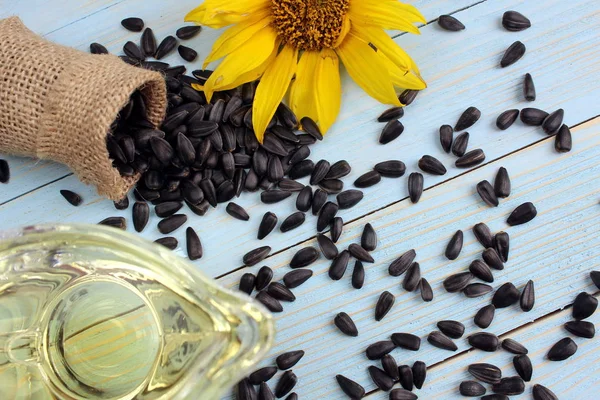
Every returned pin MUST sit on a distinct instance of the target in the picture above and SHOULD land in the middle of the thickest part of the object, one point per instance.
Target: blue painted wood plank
(467, 69)
(556, 250)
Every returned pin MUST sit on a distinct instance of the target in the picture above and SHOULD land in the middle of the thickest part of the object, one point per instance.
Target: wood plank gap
(83, 18)
(547, 138)
(37, 188)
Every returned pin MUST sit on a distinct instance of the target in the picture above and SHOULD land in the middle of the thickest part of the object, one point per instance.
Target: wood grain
(557, 250)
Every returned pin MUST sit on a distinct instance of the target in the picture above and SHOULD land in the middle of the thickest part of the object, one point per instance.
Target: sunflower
(295, 47)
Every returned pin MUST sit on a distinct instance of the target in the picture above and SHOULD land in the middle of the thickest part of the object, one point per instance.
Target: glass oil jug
(91, 312)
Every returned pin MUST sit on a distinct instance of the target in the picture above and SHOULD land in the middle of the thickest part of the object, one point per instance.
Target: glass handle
(20, 347)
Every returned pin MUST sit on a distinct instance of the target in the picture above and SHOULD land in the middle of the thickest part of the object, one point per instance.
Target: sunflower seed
(402, 394)
(391, 132)
(522, 214)
(338, 170)
(529, 88)
(543, 393)
(292, 222)
(510, 386)
(339, 265)
(194, 246)
(165, 47)
(237, 211)
(304, 199)
(513, 54)
(492, 259)
(319, 172)
(73, 198)
(265, 393)
(454, 246)
(133, 24)
(582, 329)
(446, 137)
(380, 378)
(481, 270)
(297, 277)
(514, 21)
(402, 263)
(358, 275)
(441, 341)
(337, 226)
(505, 296)
(553, 121)
(450, 23)
(262, 375)
(407, 341)
(269, 301)
(351, 388)
(513, 346)
(255, 256)
(97, 48)
(289, 359)
(304, 257)
(408, 96)
(368, 179)
(188, 32)
(326, 215)
(476, 290)
(533, 116)
(345, 324)
(595, 277)
(332, 186)
(391, 114)
(415, 186)
(584, 306)
(502, 245)
(274, 196)
(263, 278)
(485, 316)
(384, 305)
(187, 53)
(426, 290)
(486, 192)
(286, 383)
(141, 214)
(457, 282)
(471, 389)
(432, 165)
(412, 278)
(523, 366)
(471, 159)
(406, 377)
(527, 297)
(468, 118)
(328, 248)
(247, 283)
(309, 126)
(506, 119)
(291, 185)
(369, 238)
(318, 201)
(563, 142)
(502, 185)
(459, 148)
(453, 329)
(484, 235)
(390, 367)
(391, 168)
(122, 204)
(245, 390)
(199, 209)
(360, 253)
(301, 169)
(168, 242)
(484, 341)
(562, 350)
(377, 350)
(349, 198)
(267, 224)
(172, 223)
(487, 373)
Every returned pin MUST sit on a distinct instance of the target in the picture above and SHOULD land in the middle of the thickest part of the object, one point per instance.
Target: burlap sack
(58, 103)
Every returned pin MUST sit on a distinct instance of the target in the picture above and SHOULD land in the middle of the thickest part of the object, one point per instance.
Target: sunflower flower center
(309, 24)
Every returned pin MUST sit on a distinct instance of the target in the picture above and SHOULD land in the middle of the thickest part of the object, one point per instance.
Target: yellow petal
(220, 13)
(384, 43)
(237, 35)
(385, 14)
(301, 97)
(328, 89)
(405, 79)
(241, 61)
(253, 75)
(367, 69)
(272, 88)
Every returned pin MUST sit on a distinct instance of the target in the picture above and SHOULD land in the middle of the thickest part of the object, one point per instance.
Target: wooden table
(557, 250)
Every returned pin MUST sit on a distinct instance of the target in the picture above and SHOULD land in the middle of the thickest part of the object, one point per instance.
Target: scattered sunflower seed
(487, 373)
(237, 211)
(247, 283)
(97, 48)
(326, 215)
(377, 350)
(380, 378)
(402, 263)
(391, 168)
(245, 390)
(297, 277)
(337, 225)
(311, 128)
(470, 159)
(269, 301)
(304, 199)
(505, 296)
(141, 215)
(441, 341)
(115, 222)
(527, 300)
(473, 290)
(515, 21)
(73, 198)
(562, 350)
(412, 277)
(274, 196)
(426, 290)
(169, 242)
(339, 265)
(457, 282)
(406, 377)
(391, 132)
(502, 244)
(471, 389)
(506, 119)
(286, 383)
(368, 179)
(584, 306)
(529, 88)
(543, 393)
(491, 258)
(402, 394)
(263, 278)
(481, 270)
(264, 392)
(487, 194)
(582, 329)
(389, 365)
(484, 341)
(391, 114)
(432, 165)
(133, 24)
(523, 366)
(510, 386)
(328, 248)
(304, 257)
(522, 214)
(358, 275)
(345, 324)
(407, 341)
(455, 245)
(450, 23)
(513, 346)
(289, 359)
(165, 47)
(484, 235)
(513, 54)
(452, 329)
(533, 116)
(419, 370)
(267, 224)
(408, 96)
(459, 148)
(318, 201)
(351, 388)
(293, 221)
(172, 223)
(167, 209)
(502, 185)
(255, 256)
(384, 305)
(485, 316)
(262, 375)
(468, 118)
(446, 137)
(280, 292)
(553, 121)
(360, 253)
(415, 186)
(563, 142)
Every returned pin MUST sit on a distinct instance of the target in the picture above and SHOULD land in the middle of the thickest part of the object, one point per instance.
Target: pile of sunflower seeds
(206, 153)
